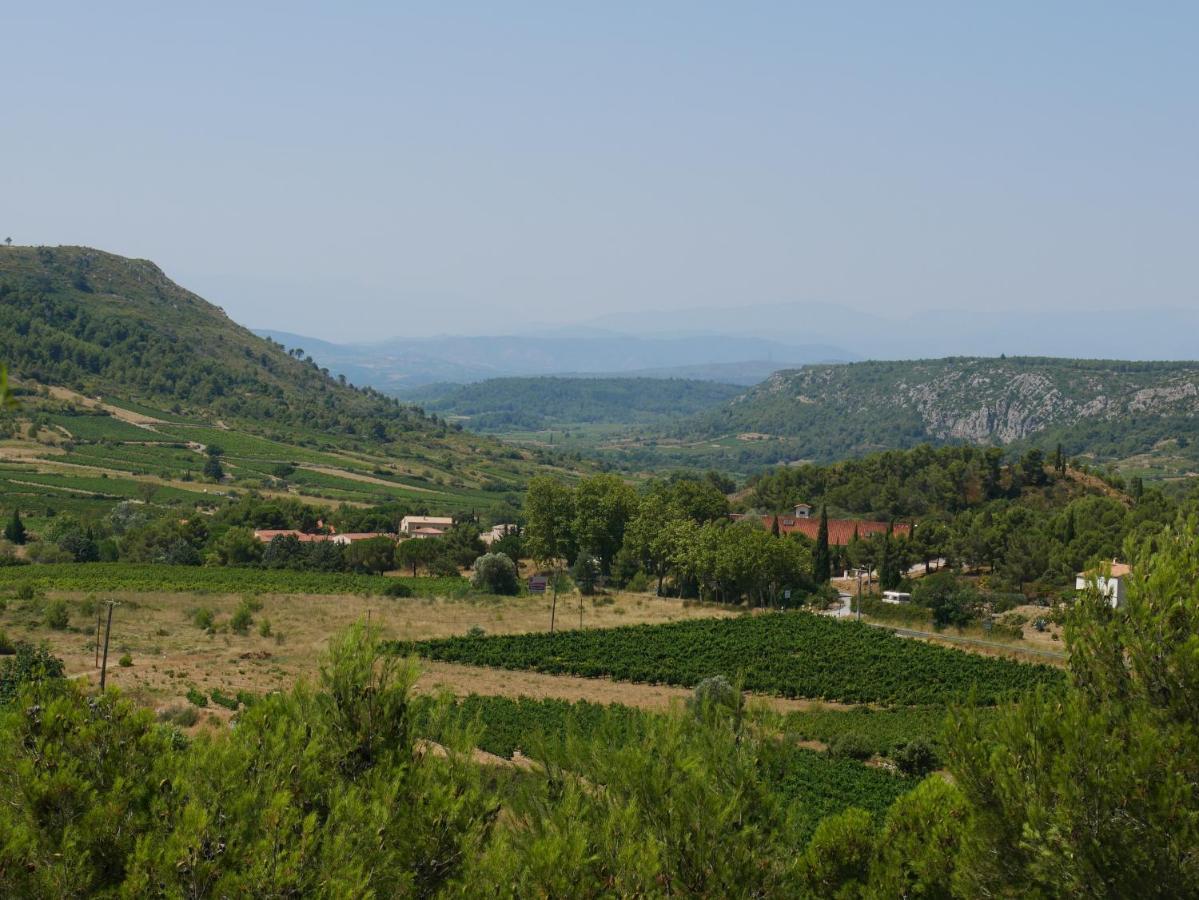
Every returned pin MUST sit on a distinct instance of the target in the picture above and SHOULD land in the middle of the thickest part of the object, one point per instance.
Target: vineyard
(95, 577)
(790, 654)
(812, 785)
(882, 731)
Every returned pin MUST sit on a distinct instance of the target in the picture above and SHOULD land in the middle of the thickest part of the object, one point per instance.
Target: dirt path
(365, 479)
(462, 680)
(125, 415)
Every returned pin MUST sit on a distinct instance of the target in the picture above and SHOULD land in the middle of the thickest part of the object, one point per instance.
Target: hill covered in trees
(100, 323)
(512, 404)
(1108, 408)
(128, 382)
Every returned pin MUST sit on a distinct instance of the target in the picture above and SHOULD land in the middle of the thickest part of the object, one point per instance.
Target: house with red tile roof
(840, 531)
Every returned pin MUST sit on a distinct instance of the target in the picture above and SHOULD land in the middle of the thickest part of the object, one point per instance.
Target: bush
(397, 589)
(242, 619)
(850, 746)
(916, 758)
(264, 628)
(713, 695)
(28, 665)
(222, 700)
(7, 647)
(586, 573)
(125, 661)
(180, 715)
(57, 616)
(204, 618)
(495, 573)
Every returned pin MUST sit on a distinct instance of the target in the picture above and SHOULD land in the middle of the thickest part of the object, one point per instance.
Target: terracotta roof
(1119, 570)
(266, 535)
(840, 531)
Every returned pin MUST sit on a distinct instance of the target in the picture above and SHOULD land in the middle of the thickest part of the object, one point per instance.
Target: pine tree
(821, 561)
(15, 529)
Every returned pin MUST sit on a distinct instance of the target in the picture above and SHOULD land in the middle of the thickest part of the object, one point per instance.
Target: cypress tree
(15, 529)
(821, 561)
(888, 570)
(774, 527)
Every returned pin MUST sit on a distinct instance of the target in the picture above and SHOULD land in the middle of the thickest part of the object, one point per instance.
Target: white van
(896, 597)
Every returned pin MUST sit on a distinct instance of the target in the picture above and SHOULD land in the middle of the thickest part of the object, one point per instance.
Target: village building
(1110, 580)
(497, 532)
(425, 526)
(840, 531)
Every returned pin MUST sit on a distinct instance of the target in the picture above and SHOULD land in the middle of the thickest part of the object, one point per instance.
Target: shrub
(26, 592)
(495, 573)
(476, 631)
(586, 573)
(196, 698)
(264, 628)
(29, 664)
(916, 758)
(242, 619)
(222, 700)
(397, 589)
(850, 746)
(125, 661)
(715, 694)
(203, 618)
(57, 616)
(7, 647)
(180, 715)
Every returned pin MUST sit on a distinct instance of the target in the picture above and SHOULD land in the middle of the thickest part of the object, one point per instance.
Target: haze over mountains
(743, 345)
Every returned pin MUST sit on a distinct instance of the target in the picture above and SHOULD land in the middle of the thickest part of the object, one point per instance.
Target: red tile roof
(840, 531)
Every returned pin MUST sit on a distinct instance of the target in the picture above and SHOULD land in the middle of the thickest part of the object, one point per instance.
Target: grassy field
(171, 653)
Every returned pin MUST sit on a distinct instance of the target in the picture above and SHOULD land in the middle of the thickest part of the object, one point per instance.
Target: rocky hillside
(1105, 407)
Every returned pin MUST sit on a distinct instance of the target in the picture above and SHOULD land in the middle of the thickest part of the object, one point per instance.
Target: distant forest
(531, 404)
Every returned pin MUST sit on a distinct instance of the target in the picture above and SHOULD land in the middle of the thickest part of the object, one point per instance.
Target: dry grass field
(171, 654)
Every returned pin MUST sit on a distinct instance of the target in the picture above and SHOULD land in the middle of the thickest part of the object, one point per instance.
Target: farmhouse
(840, 531)
(356, 536)
(1110, 580)
(496, 533)
(266, 535)
(425, 526)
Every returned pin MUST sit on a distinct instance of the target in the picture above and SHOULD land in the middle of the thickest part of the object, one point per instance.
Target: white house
(496, 533)
(803, 510)
(1111, 581)
(425, 526)
(353, 537)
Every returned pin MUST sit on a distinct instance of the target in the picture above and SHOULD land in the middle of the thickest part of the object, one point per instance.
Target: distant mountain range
(1137, 331)
(1110, 408)
(399, 365)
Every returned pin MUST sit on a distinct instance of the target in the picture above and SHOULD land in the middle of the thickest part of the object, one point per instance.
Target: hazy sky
(361, 170)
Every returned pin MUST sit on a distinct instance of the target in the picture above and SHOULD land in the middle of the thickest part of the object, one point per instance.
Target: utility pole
(859, 595)
(107, 632)
(97, 641)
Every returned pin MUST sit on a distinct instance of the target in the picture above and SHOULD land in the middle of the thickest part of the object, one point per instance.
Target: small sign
(787, 594)
(538, 584)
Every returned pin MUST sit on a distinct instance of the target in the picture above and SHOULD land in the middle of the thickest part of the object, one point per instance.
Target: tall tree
(15, 529)
(602, 508)
(821, 560)
(549, 539)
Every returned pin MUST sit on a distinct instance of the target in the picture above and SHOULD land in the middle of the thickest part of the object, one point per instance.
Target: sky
(363, 170)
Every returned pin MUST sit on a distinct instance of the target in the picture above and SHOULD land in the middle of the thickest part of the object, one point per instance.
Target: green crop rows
(151, 577)
(812, 784)
(793, 654)
(882, 730)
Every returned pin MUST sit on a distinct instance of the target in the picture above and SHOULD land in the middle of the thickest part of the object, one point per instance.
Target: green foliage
(203, 618)
(585, 573)
(221, 699)
(529, 404)
(850, 746)
(495, 573)
(125, 661)
(14, 531)
(242, 618)
(216, 580)
(179, 715)
(196, 697)
(373, 556)
(57, 616)
(792, 654)
(916, 758)
(31, 664)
